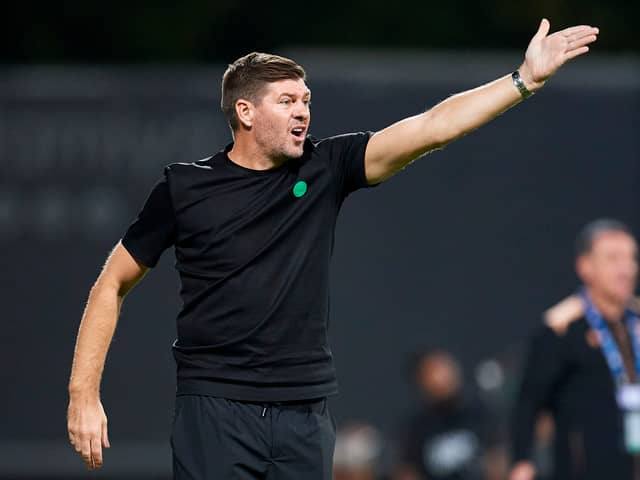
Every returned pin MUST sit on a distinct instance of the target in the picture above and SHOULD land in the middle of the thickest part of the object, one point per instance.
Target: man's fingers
(575, 53)
(567, 32)
(85, 451)
(591, 32)
(581, 42)
(105, 436)
(96, 452)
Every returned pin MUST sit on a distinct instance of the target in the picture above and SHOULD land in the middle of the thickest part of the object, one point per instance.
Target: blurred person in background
(252, 228)
(445, 439)
(358, 452)
(583, 367)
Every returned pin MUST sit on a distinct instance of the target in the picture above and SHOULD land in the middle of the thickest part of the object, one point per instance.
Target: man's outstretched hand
(547, 53)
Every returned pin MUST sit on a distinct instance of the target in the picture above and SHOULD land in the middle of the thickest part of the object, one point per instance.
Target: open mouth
(298, 132)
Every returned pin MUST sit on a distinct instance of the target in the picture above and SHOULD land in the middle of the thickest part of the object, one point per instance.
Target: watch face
(517, 81)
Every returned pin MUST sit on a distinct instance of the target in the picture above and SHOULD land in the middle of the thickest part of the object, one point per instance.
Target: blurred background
(444, 268)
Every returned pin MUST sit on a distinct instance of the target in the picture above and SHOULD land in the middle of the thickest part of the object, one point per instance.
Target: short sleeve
(346, 156)
(153, 231)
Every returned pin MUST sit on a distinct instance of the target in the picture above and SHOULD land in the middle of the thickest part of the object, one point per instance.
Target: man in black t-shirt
(252, 227)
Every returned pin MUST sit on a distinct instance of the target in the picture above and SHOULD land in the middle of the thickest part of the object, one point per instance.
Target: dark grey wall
(463, 249)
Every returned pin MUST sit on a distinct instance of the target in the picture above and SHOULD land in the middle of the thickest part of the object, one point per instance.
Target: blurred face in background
(610, 268)
(438, 377)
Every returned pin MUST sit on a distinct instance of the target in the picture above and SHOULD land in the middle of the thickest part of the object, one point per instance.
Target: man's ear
(582, 267)
(245, 111)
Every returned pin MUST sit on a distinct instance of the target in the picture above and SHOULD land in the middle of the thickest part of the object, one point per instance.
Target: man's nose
(301, 111)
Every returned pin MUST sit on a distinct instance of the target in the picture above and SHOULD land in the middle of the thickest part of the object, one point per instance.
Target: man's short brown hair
(248, 75)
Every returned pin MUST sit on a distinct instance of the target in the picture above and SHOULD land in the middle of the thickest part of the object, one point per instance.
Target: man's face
(611, 267)
(282, 119)
(439, 377)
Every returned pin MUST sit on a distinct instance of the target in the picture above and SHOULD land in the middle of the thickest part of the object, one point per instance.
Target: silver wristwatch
(517, 81)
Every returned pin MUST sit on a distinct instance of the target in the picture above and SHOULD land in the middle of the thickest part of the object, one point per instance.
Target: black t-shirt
(252, 251)
(445, 442)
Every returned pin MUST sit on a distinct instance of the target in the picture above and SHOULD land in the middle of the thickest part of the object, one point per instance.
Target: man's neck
(248, 155)
(611, 310)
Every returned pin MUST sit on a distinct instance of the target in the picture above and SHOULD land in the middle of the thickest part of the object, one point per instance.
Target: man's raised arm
(391, 149)
(86, 419)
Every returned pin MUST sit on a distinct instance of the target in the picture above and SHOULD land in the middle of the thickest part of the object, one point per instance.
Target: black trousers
(218, 439)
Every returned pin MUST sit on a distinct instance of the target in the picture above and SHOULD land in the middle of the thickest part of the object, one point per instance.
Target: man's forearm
(464, 112)
(447, 121)
(94, 337)
(86, 418)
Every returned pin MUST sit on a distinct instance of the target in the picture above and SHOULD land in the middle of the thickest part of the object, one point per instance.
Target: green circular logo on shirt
(300, 188)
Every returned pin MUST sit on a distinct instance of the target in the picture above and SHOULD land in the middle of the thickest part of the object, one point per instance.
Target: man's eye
(285, 101)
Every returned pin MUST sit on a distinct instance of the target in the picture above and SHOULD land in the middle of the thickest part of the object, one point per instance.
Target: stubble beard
(280, 149)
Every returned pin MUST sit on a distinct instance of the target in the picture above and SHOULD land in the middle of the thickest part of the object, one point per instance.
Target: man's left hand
(547, 53)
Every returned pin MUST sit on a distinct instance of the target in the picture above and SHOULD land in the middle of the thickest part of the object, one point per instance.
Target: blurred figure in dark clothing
(443, 439)
(583, 367)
